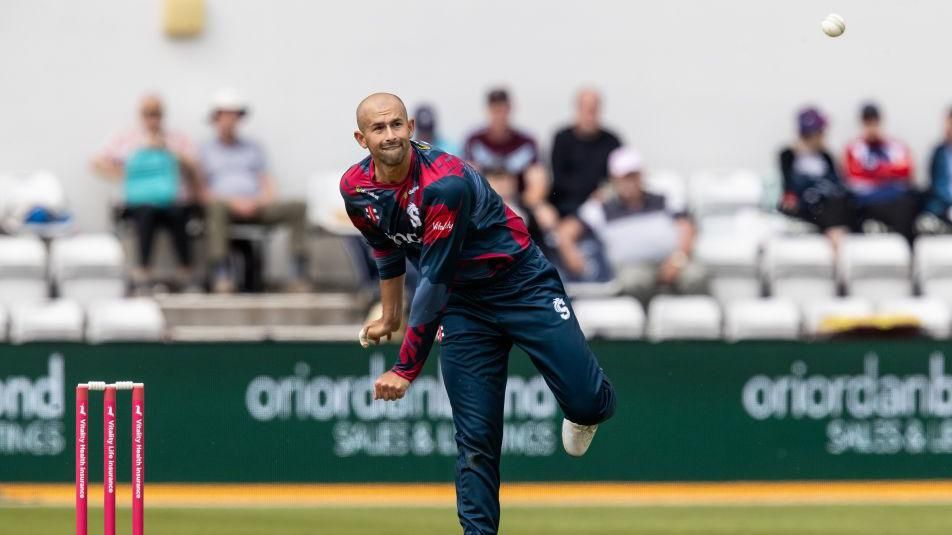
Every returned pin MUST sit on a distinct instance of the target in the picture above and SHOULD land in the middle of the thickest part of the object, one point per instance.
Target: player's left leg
(474, 357)
(538, 316)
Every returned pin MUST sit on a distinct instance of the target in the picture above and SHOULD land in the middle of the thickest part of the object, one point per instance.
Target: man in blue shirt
(241, 189)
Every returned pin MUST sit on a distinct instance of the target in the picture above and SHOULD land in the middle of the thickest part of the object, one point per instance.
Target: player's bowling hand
(390, 386)
(376, 330)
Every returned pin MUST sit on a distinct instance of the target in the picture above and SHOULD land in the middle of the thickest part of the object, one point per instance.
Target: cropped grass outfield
(717, 520)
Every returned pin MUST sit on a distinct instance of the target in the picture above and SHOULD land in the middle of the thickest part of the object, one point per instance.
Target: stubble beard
(393, 156)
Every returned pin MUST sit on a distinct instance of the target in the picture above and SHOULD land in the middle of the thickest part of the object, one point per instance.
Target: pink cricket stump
(109, 460)
(82, 458)
(138, 458)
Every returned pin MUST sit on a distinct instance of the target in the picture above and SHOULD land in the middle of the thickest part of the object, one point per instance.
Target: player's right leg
(474, 359)
(533, 309)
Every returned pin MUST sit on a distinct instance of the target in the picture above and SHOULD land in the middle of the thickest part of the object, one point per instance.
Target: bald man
(580, 155)
(157, 168)
(481, 279)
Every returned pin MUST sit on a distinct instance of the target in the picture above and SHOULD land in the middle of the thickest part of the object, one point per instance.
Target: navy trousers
(526, 306)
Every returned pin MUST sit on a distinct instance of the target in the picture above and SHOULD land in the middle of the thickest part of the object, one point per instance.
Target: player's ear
(361, 140)
(411, 124)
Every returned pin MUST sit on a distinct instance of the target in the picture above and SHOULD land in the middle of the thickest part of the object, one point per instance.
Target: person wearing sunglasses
(156, 168)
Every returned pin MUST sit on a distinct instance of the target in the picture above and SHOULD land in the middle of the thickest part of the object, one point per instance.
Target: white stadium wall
(692, 83)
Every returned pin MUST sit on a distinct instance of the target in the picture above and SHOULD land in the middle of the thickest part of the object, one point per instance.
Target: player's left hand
(390, 386)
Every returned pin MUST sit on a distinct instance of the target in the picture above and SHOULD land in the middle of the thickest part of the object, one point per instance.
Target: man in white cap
(241, 189)
(646, 237)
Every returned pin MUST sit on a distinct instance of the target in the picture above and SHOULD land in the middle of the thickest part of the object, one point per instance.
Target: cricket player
(481, 279)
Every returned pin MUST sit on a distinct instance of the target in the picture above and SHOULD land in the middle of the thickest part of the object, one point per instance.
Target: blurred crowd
(167, 181)
(586, 204)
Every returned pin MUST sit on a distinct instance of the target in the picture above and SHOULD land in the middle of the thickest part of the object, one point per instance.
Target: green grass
(825, 520)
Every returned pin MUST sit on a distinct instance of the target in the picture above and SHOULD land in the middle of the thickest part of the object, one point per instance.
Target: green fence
(303, 412)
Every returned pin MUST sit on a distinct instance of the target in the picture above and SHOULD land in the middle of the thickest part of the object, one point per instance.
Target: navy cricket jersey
(447, 220)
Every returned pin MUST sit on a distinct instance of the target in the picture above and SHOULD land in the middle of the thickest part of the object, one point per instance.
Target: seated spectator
(241, 189)
(501, 147)
(580, 155)
(939, 196)
(879, 175)
(647, 242)
(151, 162)
(427, 131)
(812, 187)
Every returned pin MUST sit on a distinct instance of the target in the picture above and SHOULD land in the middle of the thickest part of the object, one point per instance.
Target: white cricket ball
(833, 25)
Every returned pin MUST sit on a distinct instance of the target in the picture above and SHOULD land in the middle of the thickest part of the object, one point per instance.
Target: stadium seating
(752, 223)
(59, 320)
(337, 263)
(88, 267)
(876, 267)
(325, 207)
(816, 312)
(318, 316)
(933, 266)
(730, 262)
(712, 192)
(669, 184)
(800, 268)
(761, 319)
(619, 318)
(934, 315)
(124, 320)
(22, 270)
(695, 317)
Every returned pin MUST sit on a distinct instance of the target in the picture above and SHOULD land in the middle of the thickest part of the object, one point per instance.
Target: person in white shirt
(646, 240)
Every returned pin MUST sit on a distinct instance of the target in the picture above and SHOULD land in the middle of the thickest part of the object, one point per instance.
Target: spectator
(580, 155)
(241, 189)
(812, 187)
(501, 147)
(939, 197)
(879, 174)
(647, 242)
(150, 162)
(427, 131)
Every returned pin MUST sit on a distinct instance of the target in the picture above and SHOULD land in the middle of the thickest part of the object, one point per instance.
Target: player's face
(386, 134)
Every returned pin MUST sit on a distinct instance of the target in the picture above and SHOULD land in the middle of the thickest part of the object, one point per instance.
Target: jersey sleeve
(447, 207)
(391, 260)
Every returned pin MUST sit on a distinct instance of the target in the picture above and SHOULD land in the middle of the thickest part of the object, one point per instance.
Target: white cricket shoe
(577, 438)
